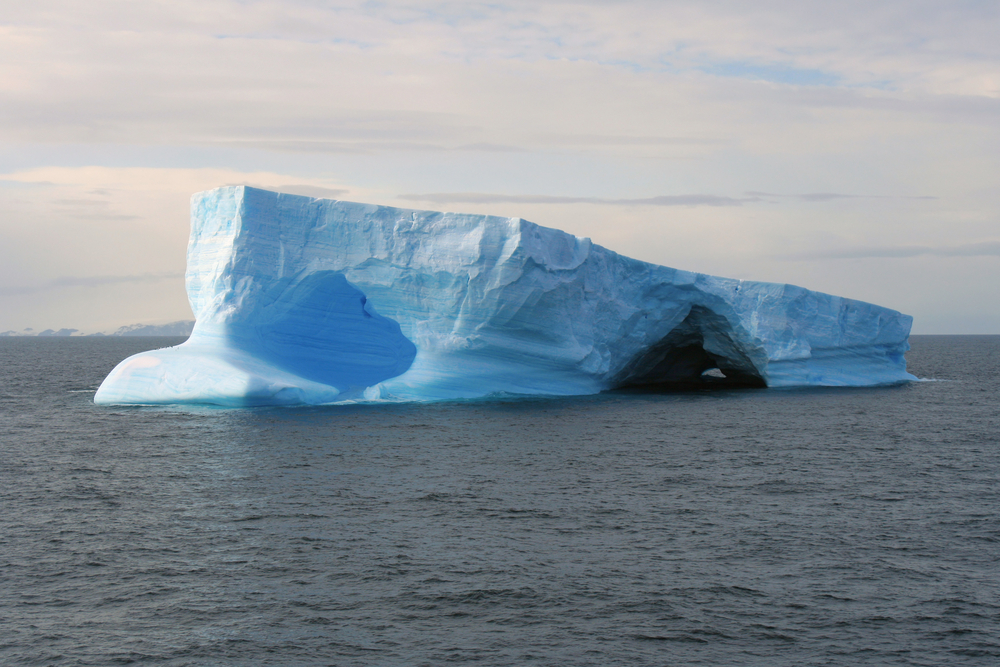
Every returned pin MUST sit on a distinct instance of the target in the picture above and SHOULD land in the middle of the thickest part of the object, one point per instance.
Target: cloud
(484, 147)
(90, 209)
(665, 200)
(23, 185)
(773, 73)
(305, 77)
(300, 189)
(116, 182)
(311, 191)
(831, 196)
(87, 281)
(562, 139)
(977, 249)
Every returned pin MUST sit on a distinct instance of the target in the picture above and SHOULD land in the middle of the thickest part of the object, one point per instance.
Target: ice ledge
(309, 301)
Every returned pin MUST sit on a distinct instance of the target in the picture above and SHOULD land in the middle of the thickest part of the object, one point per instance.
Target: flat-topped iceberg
(309, 301)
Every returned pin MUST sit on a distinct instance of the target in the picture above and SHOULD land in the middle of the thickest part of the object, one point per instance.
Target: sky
(848, 147)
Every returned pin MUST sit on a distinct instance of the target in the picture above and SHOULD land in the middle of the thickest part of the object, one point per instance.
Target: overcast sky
(848, 147)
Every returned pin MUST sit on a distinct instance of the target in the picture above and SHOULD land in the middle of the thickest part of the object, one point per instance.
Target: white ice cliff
(307, 301)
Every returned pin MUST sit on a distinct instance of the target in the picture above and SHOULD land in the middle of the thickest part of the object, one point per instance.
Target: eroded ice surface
(302, 300)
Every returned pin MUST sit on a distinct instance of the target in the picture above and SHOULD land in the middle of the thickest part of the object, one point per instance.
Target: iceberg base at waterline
(313, 301)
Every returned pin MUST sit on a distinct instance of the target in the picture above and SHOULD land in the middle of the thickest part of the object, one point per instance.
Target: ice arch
(703, 341)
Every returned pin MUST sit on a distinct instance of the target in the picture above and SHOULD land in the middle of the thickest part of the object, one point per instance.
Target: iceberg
(301, 300)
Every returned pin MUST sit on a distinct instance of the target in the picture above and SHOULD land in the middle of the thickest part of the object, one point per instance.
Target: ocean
(729, 527)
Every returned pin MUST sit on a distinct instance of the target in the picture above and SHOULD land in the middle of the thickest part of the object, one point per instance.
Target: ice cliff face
(302, 300)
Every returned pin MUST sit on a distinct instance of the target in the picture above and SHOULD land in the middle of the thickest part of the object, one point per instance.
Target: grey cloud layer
(483, 198)
(446, 76)
(832, 196)
(663, 200)
(857, 41)
(299, 189)
(87, 281)
(976, 249)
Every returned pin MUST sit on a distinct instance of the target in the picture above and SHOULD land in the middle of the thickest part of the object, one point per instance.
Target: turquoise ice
(309, 301)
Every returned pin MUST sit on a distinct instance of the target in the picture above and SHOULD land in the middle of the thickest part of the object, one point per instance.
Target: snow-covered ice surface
(308, 301)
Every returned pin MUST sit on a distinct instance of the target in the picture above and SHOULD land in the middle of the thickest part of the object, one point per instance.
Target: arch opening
(699, 353)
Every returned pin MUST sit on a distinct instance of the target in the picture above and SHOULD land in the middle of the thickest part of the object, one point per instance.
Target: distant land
(178, 328)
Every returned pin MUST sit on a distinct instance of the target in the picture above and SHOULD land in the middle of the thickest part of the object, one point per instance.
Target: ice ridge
(309, 301)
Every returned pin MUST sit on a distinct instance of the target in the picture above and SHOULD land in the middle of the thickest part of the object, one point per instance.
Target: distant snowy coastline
(178, 328)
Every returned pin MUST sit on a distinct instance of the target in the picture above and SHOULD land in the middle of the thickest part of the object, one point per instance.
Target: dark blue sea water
(752, 527)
